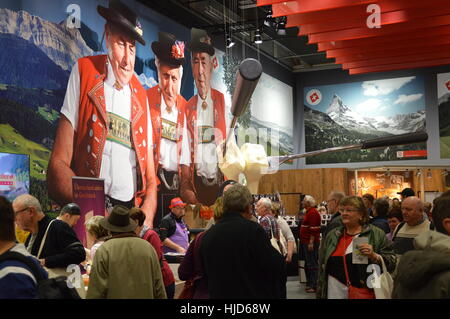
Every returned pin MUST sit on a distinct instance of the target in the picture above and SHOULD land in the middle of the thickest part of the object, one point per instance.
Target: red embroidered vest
(218, 100)
(92, 131)
(154, 100)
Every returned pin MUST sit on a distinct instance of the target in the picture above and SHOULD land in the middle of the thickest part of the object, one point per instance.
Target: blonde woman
(95, 233)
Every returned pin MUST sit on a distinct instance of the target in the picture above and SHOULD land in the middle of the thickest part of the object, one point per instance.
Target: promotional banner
(443, 90)
(14, 175)
(344, 114)
(113, 90)
(89, 194)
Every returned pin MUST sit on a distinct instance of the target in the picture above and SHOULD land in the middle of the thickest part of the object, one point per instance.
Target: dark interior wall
(338, 76)
(270, 67)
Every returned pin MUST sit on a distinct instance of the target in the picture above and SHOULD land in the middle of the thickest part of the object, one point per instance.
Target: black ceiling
(242, 17)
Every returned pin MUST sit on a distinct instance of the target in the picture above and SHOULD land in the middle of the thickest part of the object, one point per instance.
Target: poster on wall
(89, 195)
(443, 90)
(14, 175)
(380, 184)
(344, 114)
(270, 110)
(147, 122)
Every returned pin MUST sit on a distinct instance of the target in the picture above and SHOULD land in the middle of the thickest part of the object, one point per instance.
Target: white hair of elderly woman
(309, 199)
(266, 202)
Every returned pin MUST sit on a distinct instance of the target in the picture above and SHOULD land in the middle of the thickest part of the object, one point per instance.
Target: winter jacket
(424, 273)
(377, 238)
(126, 268)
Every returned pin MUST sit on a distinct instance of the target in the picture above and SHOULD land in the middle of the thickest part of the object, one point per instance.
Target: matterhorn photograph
(344, 114)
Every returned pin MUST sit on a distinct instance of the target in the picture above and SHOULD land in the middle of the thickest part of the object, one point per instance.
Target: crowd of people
(239, 255)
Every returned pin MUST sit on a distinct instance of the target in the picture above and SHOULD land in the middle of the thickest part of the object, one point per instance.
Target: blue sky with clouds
(375, 98)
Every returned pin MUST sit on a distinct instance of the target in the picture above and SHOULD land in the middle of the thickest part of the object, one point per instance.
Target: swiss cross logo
(447, 84)
(313, 97)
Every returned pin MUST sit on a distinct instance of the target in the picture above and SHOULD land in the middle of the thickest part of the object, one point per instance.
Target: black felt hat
(119, 220)
(168, 49)
(124, 18)
(200, 42)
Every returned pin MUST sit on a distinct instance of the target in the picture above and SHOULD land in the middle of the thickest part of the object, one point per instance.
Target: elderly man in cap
(104, 130)
(206, 125)
(170, 138)
(173, 231)
(125, 266)
(70, 214)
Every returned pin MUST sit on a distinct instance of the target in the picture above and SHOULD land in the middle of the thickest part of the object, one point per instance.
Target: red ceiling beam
(387, 18)
(317, 17)
(399, 59)
(261, 3)
(400, 66)
(404, 45)
(358, 33)
(390, 53)
(303, 6)
(418, 35)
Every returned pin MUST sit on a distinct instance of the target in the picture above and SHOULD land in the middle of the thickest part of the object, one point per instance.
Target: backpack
(52, 288)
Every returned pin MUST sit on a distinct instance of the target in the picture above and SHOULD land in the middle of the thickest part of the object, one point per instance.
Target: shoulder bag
(383, 284)
(355, 292)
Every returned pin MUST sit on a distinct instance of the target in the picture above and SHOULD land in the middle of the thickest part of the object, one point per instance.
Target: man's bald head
(28, 212)
(412, 210)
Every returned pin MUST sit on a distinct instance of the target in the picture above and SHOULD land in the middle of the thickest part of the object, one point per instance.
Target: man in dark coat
(237, 256)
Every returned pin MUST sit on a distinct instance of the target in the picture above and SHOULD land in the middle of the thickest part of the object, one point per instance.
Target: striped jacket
(16, 279)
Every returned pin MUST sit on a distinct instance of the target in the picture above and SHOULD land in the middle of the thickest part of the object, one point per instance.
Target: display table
(174, 261)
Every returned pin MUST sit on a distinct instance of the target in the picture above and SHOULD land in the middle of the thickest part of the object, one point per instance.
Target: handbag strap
(345, 265)
(346, 271)
(383, 265)
(44, 239)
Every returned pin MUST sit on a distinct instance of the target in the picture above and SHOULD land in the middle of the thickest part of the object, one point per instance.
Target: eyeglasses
(22, 210)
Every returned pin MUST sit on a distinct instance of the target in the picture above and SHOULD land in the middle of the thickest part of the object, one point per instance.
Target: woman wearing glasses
(348, 250)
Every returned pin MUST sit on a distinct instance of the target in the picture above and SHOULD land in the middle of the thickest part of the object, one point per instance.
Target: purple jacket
(191, 268)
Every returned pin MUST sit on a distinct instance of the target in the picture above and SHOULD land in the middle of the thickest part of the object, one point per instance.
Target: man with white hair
(267, 220)
(205, 113)
(170, 140)
(104, 130)
(310, 241)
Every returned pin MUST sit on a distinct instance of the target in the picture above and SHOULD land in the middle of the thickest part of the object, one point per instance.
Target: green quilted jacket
(377, 238)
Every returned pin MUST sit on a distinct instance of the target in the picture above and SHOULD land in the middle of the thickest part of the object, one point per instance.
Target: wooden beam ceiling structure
(372, 35)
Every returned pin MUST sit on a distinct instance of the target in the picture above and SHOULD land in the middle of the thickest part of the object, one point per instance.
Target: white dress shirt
(118, 167)
(168, 153)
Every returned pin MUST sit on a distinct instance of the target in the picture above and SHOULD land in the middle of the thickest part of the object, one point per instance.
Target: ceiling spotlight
(429, 174)
(258, 39)
(230, 43)
(281, 26)
(269, 19)
(445, 172)
(388, 172)
(419, 172)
